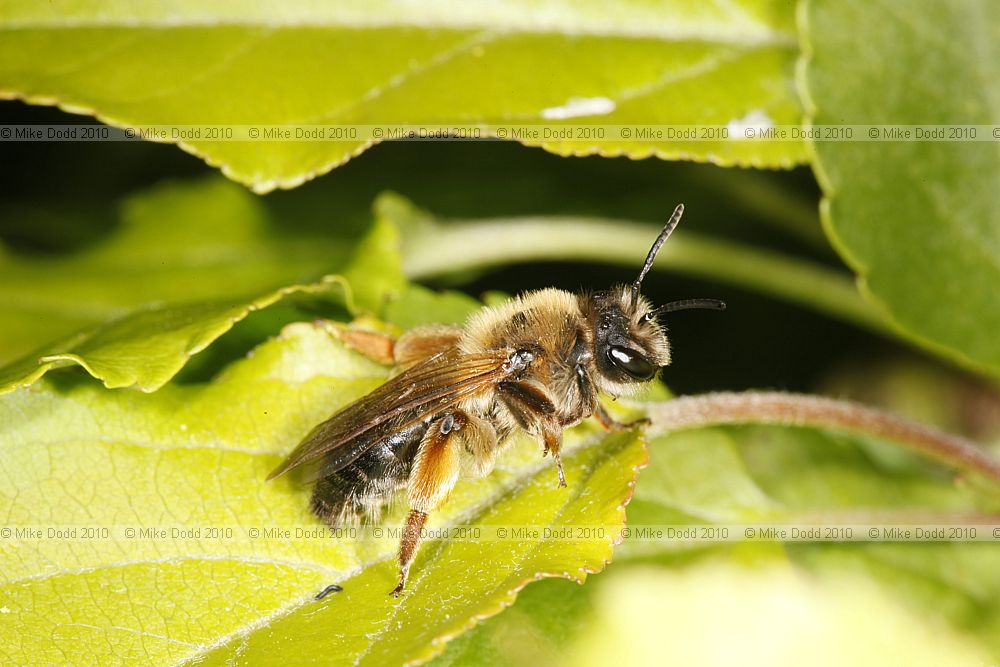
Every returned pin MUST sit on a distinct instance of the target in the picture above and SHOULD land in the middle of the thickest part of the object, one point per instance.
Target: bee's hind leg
(376, 346)
(435, 470)
(415, 521)
(412, 347)
(422, 342)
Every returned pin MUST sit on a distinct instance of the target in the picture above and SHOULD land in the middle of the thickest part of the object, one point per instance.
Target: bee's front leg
(611, 424)
(435, 471)
(588, 395)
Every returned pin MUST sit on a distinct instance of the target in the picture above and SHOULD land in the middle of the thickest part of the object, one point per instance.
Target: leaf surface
(160, 289)
(187, 63)
(917, 220)
(770, 475)
(193, 459)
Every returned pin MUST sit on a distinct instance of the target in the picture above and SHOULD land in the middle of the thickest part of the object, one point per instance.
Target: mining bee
(536, 363)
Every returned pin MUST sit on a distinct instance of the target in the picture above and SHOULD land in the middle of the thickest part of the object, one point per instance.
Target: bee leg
(413, 346)
(530, 404)
(611, 424)
(376, 346)
(415, 521)
(433, 476)
(552, 436)
(588, 394)
(480, 442)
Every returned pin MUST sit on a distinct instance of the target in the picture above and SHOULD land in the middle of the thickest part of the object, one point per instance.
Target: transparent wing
(415, 394)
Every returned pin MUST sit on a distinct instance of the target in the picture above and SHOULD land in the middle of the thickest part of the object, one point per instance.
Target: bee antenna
(675, 217)
(686, 304)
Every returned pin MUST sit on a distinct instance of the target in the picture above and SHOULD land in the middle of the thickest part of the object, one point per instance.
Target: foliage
(193, 459)
(205, 298)
(920, 212)
(788, 476)
(454, 63)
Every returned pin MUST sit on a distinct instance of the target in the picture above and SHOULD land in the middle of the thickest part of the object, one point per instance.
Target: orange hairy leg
(434, 474)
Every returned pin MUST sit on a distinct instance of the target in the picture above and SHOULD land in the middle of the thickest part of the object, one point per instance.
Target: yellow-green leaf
(758, 476)
(188, 263)
(147, 347)
(189, 242)
(189, 63)
(194, 458)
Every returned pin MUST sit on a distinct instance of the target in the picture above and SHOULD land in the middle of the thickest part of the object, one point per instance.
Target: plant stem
(814, 411)
(772, 204)
(479, 244)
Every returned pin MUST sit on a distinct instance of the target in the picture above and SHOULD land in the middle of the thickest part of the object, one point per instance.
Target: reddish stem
(815, 411)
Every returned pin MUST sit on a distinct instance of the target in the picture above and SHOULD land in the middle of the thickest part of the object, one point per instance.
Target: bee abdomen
(330, 501)
(362, 488)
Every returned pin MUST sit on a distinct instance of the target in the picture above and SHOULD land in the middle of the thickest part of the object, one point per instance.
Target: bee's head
(630, 346)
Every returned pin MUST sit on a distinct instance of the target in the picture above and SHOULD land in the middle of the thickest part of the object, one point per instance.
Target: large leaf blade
(193, 457)
(920, 212)
(179, 63)
(160, 289)
(158, 252)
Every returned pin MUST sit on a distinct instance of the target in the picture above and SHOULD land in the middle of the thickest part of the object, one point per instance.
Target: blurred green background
(60, 197)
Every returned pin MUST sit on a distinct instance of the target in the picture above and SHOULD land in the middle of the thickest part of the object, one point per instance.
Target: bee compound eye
(631, 362)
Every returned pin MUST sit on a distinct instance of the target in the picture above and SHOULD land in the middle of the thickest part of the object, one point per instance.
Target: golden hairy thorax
(547, 319)
(551, 325)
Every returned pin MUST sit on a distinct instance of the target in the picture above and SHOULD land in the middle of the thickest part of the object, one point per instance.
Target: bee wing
(422, 390)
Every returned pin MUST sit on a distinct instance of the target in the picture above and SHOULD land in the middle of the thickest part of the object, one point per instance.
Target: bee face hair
(629, 346)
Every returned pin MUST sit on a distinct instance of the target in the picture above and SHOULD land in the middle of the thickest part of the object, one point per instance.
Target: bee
(535, 364)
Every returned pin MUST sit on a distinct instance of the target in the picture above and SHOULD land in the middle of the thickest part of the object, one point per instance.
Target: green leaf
(147, 347)
(914, 218)
(375, 271)
(187, 287)
(763, 475)
(194, 457)
(418, 305)
(185, 63)
(160, 251)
